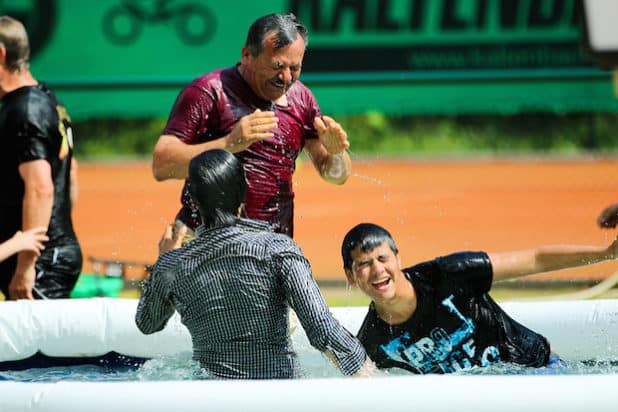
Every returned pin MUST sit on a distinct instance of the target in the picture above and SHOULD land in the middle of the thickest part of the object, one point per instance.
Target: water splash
(370, 179)
(314, 365)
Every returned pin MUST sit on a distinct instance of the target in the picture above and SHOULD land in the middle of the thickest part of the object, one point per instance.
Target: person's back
(234, 284)
(229, 294)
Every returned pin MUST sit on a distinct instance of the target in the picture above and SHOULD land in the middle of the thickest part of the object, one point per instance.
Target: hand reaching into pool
(608, 217)
(368, 370)
(171, 239)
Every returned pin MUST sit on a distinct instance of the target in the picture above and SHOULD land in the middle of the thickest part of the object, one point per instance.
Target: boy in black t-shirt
(437, 316)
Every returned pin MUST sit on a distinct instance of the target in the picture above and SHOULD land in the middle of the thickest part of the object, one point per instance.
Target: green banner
(131, 57)
(454, 36)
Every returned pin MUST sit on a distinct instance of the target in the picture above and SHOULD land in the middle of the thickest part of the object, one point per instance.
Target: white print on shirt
(441, 351)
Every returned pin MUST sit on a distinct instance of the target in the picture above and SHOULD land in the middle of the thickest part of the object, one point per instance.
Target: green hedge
(375, 134)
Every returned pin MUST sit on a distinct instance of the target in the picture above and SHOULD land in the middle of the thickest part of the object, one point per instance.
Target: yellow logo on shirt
(64, 127)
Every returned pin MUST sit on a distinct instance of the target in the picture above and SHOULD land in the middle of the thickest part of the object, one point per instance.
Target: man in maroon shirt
(259, 111)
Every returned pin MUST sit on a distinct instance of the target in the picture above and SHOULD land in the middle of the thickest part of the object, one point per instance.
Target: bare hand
(21, 285)
(31, 240)
(252, 128)
(608, 217)
(331, 135)
(368, 369)
(170, 240)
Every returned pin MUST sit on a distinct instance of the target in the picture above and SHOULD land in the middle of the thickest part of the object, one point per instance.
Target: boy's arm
(507, 265)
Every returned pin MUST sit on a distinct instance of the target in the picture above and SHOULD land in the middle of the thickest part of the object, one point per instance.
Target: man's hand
(251, 128)
(331, 135)
(608, 217)
(22, 283)
(170, 240)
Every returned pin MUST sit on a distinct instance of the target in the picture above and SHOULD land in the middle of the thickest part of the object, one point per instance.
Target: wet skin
(377, 272)
(272, 72)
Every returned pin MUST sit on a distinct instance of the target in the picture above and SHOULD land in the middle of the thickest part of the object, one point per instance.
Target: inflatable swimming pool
(85, 328)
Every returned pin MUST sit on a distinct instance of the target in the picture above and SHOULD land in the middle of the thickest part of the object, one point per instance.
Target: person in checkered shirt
(234, 284)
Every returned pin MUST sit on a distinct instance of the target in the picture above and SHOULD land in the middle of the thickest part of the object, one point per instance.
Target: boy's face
(377, 272)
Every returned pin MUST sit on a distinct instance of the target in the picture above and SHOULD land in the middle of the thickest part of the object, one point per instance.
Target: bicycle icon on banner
(194, 23)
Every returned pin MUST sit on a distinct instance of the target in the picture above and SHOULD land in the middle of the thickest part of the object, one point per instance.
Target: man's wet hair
(367, 236)
(218, 186)
(285, 26)
(14, 39)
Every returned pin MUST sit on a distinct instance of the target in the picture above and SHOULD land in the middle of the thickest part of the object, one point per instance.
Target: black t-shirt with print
(456, 325)
(34, 125)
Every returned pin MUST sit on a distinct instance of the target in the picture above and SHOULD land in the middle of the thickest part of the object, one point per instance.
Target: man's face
(272, 72)
(377, 272)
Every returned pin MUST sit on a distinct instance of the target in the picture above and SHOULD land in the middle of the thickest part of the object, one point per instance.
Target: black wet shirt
(34, 125)
(456, 325)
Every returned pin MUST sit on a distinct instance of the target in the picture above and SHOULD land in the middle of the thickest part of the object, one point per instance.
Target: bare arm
(171, 156)
(73, 187)
(328, 153)
(36, 210)
(31, 240)
(507, 265)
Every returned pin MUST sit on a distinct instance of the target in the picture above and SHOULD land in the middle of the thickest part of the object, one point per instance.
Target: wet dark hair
(367, 236)
(285, 26)
(218, 186)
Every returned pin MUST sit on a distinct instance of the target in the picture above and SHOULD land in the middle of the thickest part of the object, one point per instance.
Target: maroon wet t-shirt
(210, 106)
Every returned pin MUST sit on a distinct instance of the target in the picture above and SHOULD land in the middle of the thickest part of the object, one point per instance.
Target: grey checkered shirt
(233, 287)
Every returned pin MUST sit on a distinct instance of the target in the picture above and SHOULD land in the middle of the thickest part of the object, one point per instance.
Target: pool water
(181, 367)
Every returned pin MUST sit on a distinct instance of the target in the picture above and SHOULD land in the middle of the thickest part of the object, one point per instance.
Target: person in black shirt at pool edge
(37, 174)
(437, 316)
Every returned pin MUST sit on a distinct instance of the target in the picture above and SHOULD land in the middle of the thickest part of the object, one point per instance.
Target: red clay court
(430, 207)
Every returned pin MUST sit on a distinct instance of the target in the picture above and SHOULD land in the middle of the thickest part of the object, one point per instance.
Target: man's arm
(155, 306)
(36, 210)
(328, 153)
(324, 332)
(368, 369)
(171, 156)
(508, 265)
(73, 187)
